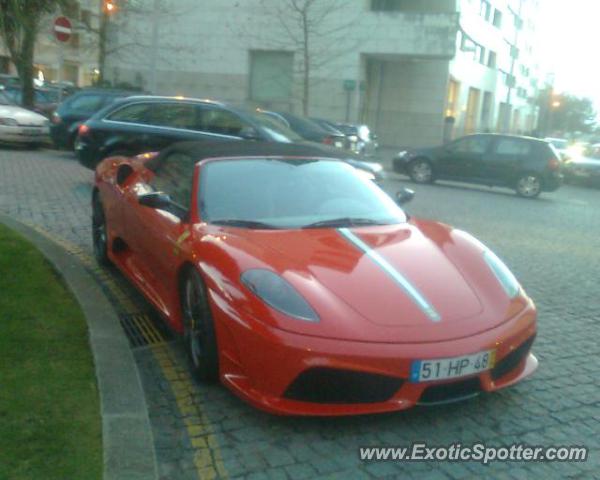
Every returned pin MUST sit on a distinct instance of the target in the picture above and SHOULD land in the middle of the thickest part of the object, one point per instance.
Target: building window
(482, 55)
(491, 60)
(485, 10)
(387, 5)
(518, 22)
(497, 21)
(271, 75)
(452, 100)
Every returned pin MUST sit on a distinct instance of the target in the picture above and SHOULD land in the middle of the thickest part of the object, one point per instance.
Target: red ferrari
(303, 286)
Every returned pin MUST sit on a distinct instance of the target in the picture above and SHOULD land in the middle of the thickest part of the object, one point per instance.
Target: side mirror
(404, 196)
(162, 201)
(156, 200)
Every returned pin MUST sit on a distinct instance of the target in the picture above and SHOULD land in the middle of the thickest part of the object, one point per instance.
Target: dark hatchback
(528, 165)
(141, 124)
(75, 110)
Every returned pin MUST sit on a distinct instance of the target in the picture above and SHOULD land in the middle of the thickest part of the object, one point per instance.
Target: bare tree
(315, 30)
(122, 33)
(19, 27)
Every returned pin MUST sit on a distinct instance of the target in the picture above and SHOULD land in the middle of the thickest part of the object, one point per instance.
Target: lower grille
(329, 385)
(451, 392)
(510, 361)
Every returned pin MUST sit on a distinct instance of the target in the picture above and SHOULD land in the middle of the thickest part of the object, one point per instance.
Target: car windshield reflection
(292, 194)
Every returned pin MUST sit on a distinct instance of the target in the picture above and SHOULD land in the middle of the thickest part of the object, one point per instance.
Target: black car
(141, 124)
(307, 128)
(76, 109)
(528, 165)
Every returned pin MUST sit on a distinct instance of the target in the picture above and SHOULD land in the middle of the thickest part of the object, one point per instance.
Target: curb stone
(128, 444)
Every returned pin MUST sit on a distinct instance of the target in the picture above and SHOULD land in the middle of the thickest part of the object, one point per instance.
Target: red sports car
(303, 286)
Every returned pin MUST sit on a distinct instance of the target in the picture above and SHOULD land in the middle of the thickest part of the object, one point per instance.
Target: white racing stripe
(408, 287)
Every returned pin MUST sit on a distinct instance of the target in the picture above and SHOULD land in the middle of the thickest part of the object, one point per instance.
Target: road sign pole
(61, 61)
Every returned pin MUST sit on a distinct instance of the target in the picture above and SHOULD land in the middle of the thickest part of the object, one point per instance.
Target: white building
(493, 82)
(402, 66)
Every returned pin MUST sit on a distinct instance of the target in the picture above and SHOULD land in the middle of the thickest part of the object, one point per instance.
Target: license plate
(339, 144)
(455, 367)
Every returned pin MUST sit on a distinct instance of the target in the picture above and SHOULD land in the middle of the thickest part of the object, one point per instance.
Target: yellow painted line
(207, 453)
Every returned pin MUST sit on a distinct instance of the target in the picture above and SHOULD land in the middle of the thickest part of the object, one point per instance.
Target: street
(552, 244)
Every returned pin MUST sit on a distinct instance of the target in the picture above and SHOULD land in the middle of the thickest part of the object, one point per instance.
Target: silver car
(19, 125)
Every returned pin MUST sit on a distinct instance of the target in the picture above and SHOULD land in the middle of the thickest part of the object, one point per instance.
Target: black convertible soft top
(239, 148)
(200, 150)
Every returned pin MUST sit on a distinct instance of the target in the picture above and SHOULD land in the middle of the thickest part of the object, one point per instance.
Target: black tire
(99, 232)
(420, 171)
(529, 185)
(199, 330)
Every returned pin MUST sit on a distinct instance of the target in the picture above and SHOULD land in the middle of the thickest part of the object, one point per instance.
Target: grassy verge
(50, 425)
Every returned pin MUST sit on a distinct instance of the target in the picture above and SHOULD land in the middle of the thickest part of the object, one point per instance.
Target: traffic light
(109, 6)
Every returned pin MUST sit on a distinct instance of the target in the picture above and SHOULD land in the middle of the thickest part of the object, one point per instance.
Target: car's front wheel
(199, 331)
(99, 232)
(529, 185)
(420, 171)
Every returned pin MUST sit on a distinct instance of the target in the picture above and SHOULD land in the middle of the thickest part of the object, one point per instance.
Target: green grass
(50, 425)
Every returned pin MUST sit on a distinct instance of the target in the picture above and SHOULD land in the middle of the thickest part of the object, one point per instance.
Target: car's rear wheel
(99, 232)
(420, 171)
(529, 185)
(199, 331)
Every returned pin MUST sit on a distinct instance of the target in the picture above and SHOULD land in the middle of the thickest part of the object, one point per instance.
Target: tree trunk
(25, 64)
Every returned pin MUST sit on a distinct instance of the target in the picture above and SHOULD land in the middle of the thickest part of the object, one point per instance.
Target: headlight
(9, 122)
(503, 274)
(402, 153)
(279, 294)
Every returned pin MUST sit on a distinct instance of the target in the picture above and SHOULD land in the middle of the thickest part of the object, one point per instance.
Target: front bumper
(23, 134)
(262, 365)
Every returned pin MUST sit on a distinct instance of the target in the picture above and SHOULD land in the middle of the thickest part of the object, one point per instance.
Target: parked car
(362, 140)
(148, 123)
(76, 109)
(304, 289)
(528, 165)
(19, 125)
(45, 100)
(307, 128)
(584, 169)
(7, 80)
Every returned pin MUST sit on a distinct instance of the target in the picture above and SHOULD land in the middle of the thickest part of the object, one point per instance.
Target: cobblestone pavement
(553, 246)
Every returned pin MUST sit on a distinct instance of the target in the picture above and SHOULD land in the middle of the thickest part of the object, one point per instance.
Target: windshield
(277, 130)
(294, 193)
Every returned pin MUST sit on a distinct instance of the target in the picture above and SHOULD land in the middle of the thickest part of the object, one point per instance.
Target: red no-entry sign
(62, 29)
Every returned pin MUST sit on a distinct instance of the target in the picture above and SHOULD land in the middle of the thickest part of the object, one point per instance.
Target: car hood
(413, 282)
(22, 115)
